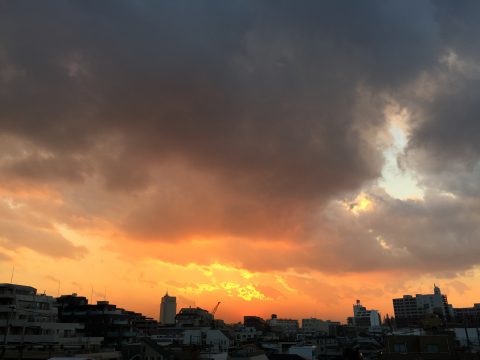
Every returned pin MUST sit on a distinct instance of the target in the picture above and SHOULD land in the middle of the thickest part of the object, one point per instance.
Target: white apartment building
(411, 309)
(363, 317)
(30, 318)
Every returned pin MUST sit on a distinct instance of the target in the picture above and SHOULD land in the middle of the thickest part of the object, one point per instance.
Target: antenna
(13, 271)
(58, 289)
(91, 293)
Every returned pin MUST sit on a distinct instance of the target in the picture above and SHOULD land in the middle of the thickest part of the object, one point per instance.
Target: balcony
(26, 339)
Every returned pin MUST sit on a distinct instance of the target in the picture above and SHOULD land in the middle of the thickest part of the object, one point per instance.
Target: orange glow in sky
(278, 157)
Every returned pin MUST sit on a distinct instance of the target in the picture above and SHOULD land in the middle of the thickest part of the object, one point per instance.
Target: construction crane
(215, 308)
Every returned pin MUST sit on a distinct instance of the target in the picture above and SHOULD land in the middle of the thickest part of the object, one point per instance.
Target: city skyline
(267, 154)
(169, 305)
(40, 325)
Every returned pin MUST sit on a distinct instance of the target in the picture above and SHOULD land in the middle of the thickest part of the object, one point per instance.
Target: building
(144, 349)
(255, 321)
(363, 317)
(441, 346)
(469, 316)
(209, 340)
(194, 317)
(313, 325)
(285, 326)
(247, 352)
(168, 310)
(244, 333)
(308, 352)
(411, 311)
(329, 347)
(28, 318)
(116, 325)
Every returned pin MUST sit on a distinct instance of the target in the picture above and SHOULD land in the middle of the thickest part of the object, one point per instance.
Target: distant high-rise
(168, 310)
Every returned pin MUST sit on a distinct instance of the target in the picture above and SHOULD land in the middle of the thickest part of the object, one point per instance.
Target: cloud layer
(250, 125)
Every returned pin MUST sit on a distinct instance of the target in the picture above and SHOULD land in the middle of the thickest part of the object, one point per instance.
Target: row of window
(429, 348)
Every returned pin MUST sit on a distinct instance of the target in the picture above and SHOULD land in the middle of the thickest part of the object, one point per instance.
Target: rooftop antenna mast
(13, 272)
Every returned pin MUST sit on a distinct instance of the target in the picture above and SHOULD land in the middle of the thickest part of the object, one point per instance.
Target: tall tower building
(168, 310)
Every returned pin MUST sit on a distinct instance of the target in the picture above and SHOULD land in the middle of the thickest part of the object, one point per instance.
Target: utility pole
(468, 338)
(22, 341)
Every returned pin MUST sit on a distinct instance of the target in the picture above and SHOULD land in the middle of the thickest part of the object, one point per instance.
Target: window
(432, 348)
(400, 348)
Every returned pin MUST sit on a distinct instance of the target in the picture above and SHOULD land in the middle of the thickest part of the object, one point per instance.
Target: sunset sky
(282, 157)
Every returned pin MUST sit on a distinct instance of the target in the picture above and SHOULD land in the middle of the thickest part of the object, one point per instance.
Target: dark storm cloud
(39, 169)
(445, 142)
(263, 93)
(243, 118)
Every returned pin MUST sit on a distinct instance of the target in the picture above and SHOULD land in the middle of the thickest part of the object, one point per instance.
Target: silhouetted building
(256, 322)
(247, 352)
(194, 317)
(410, 311)
(285, 326)
(284, 357)
(426, 347)
(308, 352)
(146, 349)
(103, 319)
(212, 340)
(468, 316)
(313, 325)
(244, 333)
(168, 310)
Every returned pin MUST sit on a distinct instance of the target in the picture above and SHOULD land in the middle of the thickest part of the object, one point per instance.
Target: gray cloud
(435, 235)
(270, 100)
(46, 169)
(444, 145)
(244, 119)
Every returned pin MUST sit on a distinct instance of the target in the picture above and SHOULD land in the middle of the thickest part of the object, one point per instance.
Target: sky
(277, 156)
